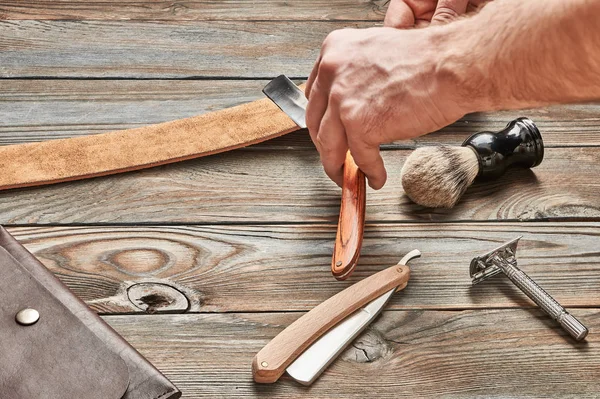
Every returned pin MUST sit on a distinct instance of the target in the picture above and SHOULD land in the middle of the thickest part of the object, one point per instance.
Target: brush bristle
(437, 177)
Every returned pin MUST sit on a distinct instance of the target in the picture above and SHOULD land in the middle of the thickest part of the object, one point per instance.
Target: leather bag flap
(56, 358)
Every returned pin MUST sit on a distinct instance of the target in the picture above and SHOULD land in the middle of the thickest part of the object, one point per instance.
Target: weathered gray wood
(424, 347)
(161, 49)
(275, 268)
(36, 110)
(404, 354)
(290, 186)
(195, 10)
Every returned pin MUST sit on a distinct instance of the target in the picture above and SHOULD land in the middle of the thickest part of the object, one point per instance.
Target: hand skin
(422, 13)
(377, 85)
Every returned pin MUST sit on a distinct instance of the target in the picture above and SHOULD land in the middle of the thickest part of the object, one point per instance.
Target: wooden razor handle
(272, 360)
(351, 224)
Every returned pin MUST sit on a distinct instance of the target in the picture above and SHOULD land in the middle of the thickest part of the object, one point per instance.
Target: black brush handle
(519, 143)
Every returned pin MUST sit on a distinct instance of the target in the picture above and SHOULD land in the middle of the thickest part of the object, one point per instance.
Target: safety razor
(503, 260)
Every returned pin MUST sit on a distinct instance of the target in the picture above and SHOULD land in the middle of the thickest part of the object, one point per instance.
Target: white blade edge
(313, 361)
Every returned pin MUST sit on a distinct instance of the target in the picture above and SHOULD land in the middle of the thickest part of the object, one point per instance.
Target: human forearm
(516, 54)
(383, 84)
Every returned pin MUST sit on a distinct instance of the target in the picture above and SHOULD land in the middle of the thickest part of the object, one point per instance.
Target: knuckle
(312, 124)
(321, 142)
(333, 35)
(349, 114)
(336, 95)
(445, 14)
(327, 66)
(329, 39)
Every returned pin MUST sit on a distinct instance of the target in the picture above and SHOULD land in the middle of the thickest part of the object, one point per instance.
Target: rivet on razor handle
(308, 345)
(503, 260)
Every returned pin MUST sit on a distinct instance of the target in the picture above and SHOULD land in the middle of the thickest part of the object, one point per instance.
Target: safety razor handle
(537, 294)
(349, 236)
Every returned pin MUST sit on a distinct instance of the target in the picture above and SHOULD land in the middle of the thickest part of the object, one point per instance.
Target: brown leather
(56, 161)
(70, 352)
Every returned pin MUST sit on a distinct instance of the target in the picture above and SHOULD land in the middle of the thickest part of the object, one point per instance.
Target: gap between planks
(290, 187)
(220, 10)
(248, 268)
(402, 354)
(50, 109)
(178, 50)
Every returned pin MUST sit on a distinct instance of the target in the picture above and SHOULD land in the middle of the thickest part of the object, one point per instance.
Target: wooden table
(201, 263)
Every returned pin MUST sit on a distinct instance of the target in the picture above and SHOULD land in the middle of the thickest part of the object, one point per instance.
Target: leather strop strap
(54, 161)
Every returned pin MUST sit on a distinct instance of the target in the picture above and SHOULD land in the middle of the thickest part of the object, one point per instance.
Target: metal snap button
(27, 317)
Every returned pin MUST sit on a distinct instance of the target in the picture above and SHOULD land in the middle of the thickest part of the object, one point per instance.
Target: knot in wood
(157, 298)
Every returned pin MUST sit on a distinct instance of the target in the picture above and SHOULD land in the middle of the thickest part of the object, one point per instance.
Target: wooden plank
(286, 186)
(404, 354)
(297, 10)
(275, 268)
(36, 110)
(131, 49)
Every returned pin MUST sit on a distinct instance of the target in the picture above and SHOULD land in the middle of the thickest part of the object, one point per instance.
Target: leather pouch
(70, 352)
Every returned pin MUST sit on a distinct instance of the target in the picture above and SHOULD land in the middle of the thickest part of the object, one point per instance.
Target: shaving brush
(438, 176)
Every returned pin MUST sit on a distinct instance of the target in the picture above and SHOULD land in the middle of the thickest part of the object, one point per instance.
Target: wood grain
(36, 110)
(103, 49)
(295, 10)
(266, 215)
(286, 268)
(351, 222)
(404, 354)
(290, 186)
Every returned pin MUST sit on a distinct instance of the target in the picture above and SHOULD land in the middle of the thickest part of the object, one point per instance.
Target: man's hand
(421, 13)
(372, 86)
(354, 101)
(377, 85)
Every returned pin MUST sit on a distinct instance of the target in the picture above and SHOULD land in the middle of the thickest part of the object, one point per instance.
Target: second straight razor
(348, 242)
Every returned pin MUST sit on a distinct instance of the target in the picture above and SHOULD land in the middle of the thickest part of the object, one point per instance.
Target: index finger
(333, 144)
(399, 15)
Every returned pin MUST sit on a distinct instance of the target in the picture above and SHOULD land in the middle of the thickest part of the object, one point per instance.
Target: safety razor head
(485, 266)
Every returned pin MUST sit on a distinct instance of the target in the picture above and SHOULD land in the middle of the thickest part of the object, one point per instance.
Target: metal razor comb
(503, 260)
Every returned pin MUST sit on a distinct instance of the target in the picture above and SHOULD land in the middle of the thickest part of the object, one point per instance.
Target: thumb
(448, 10)
(399, 15)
